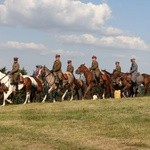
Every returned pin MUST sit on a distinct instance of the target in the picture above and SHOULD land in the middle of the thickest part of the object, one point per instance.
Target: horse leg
(44, 99)
(71, 95)
(5, 98)
(4, 102)
(104, 93)
(87, 90)
(64, 95)
(27, 97)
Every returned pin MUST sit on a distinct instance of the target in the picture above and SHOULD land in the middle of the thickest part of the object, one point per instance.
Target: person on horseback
(70, 67)
(95, 70)
(134, 72)
(118, 67)
(56, 69)
(14, 73)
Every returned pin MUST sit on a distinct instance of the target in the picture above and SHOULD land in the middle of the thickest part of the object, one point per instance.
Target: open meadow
(114, 124)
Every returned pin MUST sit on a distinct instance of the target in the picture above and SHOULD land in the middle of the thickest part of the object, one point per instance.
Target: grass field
(77, 125)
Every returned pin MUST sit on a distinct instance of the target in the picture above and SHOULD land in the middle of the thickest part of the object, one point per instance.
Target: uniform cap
(133, 58)
(57, 55)
(15, 58)
(94, 57)
(69, 61)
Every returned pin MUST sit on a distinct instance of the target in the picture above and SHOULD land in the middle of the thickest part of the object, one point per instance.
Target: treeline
(23, 71)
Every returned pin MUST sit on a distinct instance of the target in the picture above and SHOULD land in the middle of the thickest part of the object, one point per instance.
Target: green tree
(3, 70)
(23, 71)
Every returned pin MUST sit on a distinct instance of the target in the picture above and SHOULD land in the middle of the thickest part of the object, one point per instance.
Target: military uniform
(118, 68)
(14, 73)
(95, 69)
(70, 67)
(134, 71)
(57, 69)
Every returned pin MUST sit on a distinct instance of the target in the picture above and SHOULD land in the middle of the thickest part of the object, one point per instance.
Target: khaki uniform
(57, 69)
(118, 68)
(95, 70)
(70, 68)
(14, 73)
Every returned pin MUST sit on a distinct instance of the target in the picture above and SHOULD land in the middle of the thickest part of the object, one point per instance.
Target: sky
(37, 30)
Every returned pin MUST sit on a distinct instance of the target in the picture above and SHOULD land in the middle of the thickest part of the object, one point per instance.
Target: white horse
(11, 88)
(28, 83)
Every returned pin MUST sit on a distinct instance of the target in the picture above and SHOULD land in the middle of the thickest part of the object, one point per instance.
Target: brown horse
(79, 88)
(123, 82)
(106, 84)
(146, 83)
(31, 85)
(82, 69)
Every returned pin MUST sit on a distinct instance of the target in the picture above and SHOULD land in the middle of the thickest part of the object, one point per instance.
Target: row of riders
(127, 82)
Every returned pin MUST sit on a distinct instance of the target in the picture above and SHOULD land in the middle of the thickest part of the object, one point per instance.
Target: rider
(14, 73)
(118, 67)
(56, 69)
(95, 69)
(134, 72)
(70, 67)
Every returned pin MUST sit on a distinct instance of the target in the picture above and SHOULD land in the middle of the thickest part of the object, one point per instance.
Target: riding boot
(16, 84)
(97, 80)
(60, 83)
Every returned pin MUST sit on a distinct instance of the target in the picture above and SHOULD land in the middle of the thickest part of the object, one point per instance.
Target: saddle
(65, 77)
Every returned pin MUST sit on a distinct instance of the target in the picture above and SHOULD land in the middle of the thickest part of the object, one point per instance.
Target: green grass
(77, 125)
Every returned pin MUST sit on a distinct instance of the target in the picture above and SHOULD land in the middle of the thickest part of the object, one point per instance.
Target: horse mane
(107, 72)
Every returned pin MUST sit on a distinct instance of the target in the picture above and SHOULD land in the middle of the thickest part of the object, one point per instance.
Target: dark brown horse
(79, 88)
(106, 84)
(123, 82)
(82, 69)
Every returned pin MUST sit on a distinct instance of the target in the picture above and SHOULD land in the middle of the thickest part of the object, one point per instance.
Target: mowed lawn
(111, 124)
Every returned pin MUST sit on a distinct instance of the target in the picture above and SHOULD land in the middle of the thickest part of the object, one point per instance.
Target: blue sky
(112, 30)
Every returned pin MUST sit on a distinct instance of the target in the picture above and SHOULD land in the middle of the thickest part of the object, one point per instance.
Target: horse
(106, 84)
(49, 79)
(146, 82)
(32, 85)
(79, 88)
(27, 83)
(82, 69)
(123, 81)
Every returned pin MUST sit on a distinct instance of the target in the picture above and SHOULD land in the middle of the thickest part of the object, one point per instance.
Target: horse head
(43, 71)
(81, 69)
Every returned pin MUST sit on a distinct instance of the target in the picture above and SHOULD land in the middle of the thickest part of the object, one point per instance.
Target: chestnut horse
(145, 82)
(49, 79)
(26, 83)
(82, 69)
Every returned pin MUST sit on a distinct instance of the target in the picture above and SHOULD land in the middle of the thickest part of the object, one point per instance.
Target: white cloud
(124, 42)
(48, 14)
(112, 31)
(22, 45)
(42, 49)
